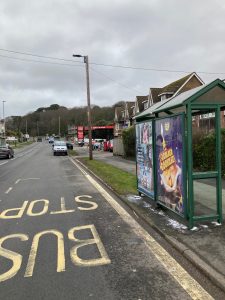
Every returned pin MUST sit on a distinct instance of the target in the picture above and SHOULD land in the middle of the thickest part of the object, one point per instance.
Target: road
(63, 236)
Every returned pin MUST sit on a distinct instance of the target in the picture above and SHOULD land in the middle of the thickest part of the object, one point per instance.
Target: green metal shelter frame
(209, 97)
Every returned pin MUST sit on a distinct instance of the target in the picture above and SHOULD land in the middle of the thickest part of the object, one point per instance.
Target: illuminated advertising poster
(144, 158)
(169, 159)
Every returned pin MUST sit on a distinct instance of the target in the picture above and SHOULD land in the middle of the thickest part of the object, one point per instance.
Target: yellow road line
(188, 283)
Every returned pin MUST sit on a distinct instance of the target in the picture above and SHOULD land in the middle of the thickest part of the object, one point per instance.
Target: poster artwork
(169, 151)
(144, 158)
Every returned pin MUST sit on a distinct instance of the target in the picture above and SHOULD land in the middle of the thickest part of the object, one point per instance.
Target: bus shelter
(178, 152)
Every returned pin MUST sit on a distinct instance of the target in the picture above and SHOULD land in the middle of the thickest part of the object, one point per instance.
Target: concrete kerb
(217, 278)
(214, 276)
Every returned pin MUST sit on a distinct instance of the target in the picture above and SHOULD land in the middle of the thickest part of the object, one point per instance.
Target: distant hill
(46, 120)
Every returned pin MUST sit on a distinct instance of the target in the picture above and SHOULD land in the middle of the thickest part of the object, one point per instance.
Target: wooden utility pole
(88, 107)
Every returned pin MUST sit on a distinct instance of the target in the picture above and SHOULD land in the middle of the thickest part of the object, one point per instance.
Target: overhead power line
(112, 66)
(40, 61)
(38, 55)
(121, 84)
(68, 65)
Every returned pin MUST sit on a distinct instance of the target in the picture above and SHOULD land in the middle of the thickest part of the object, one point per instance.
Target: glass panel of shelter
(204, 162)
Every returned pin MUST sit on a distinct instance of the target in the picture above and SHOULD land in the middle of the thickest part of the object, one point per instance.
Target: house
(119, 120)
(141, 103)
(129, 113)
(123, 117)
(175, 88)
(124, 114)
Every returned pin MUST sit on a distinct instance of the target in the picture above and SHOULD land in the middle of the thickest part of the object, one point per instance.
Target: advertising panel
(169, 162)
(144, 158)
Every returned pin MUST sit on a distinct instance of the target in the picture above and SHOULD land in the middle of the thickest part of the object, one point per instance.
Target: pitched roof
(173, 87)
(181, 99)
(140, 100)
(154, 92)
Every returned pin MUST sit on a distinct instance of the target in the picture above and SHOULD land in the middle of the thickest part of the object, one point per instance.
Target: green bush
(204, 155)
(128, 136)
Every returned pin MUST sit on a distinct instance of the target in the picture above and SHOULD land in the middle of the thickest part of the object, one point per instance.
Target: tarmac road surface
(63, 236)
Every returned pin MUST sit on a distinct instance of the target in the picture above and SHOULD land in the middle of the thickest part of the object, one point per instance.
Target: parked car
(59, 147)
(110, 146)
(69, 145)
(81, 143)
(51, 140)
(6, 151)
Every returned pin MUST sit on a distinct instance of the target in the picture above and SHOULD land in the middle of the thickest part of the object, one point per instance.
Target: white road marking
(5, 162)
(9, 189)
(188, 283)
(25, 179)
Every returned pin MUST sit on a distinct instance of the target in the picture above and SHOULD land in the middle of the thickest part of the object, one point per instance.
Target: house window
(145, 105)
(123, 114)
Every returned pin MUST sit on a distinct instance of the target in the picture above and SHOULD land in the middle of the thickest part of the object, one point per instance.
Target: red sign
(80, 135)
(100, 127)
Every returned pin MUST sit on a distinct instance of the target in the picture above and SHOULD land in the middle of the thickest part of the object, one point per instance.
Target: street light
(3, 104)
(88, 103)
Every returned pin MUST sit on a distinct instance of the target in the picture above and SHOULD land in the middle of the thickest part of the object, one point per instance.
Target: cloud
(174, 35)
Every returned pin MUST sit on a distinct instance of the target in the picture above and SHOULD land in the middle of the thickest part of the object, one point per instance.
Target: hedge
(204, 155)
(128, 136)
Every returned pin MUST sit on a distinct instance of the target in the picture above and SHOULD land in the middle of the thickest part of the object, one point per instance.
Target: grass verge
(72, 152)
(122, 182)
(21, 145)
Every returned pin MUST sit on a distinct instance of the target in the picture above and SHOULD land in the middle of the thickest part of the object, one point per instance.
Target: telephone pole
(88, 103)
(59, 126)
(3, 111)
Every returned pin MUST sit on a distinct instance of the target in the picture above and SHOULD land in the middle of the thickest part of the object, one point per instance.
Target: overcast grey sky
(174, 35)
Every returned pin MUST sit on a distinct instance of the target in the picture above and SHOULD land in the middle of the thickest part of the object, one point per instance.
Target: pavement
(203, 246)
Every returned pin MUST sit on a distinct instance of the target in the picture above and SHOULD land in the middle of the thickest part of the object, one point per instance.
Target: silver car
(59, 147)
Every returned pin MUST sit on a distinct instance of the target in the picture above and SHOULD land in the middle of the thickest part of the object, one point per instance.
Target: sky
(131, 45)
